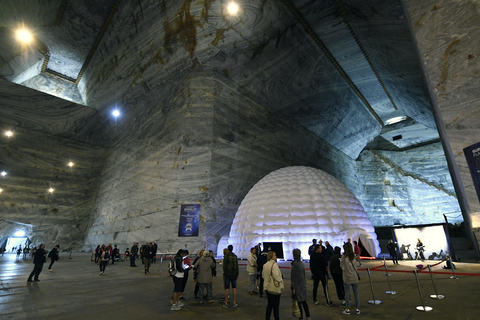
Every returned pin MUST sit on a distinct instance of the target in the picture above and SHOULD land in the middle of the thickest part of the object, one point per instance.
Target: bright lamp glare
(25, 36)
(116, 113)
(1, 190)
(51, 190)
(71, 164)
(4, 173)
(232, 8)
(19, 233)
(9, 133)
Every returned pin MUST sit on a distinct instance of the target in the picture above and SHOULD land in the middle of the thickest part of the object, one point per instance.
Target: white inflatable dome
(294, 205)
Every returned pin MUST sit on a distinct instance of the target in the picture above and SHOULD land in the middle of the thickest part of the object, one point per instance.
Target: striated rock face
(294, 205)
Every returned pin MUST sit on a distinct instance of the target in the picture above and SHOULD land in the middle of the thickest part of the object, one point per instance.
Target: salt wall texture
(293, 205)
(448, 39)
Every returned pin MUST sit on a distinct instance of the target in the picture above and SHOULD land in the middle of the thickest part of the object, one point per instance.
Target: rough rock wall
(448, 38)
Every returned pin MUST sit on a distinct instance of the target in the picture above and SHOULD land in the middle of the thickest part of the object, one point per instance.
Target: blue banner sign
(472, 154)
(189, 220)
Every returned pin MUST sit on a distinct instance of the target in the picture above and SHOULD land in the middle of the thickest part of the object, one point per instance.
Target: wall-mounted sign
(472, 154)
(189, 220)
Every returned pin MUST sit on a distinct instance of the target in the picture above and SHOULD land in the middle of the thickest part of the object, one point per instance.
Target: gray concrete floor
(75, 290)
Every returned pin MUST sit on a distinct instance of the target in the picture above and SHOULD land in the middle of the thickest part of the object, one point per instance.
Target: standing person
(337, 276)
(350, 278)
(252, 271)
(358, 252)
(272, 275)
(204, 266)
(392, 249)
(318, 266)
(186, 266)
(299, 283)
(195, 273)
(154, 251)
(38, 259)
(311, 249)
(147, 257)
(178, 280)
(104, 258)
(420, 250)
(133, 254)
(261, 260)
(258, 249)
(53, 255)
(328, 251)
(97, 253)
(115, 254)
(230, 274)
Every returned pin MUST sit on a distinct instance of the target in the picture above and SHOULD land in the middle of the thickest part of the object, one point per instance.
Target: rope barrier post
(388, 279)
(436, 295)
(371, 287)
(453, 269)
(423, 307)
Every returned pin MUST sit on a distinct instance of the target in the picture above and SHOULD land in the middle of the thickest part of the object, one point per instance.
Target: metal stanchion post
(388, 280)
(371, 287)
(453, 270)
(436, 295)
(423, 307)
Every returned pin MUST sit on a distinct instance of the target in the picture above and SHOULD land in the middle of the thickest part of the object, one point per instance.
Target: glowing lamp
(232, 8)
(19, 233)
(1, 190)
(24, 35)
(116, 113)
(71, 164)
(9, 133)
(51, 190)
(3, 173)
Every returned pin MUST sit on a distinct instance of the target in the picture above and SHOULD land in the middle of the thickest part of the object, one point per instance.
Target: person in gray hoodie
(204, 267)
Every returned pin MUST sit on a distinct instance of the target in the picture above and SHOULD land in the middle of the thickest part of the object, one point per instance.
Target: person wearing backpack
(230, 275)
(104, 258)
(178, 280)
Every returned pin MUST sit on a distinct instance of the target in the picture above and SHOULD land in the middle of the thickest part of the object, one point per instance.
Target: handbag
(358, 276)
(295, 309)
(276, 289)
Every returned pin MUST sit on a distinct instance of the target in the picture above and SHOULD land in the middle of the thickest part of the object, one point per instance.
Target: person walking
(350, 278)
(299, 283)
(392, 249)
(147, 257)
(38, 259)
(104, 258)
(358, 252)
(252, 271)
(53, 255)
(273, 285)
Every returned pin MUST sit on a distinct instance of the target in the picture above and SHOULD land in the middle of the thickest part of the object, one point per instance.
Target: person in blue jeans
(350, 277)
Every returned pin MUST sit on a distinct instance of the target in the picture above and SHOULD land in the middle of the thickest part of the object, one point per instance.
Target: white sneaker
(175, 308)
(179, 304)
(49, 270)
(317, 302)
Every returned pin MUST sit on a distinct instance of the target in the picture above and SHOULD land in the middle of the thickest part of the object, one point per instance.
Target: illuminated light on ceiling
(395, 120)
(51, 190)
(116, 113)
(70, 164)
(232, 8)
(3, 173)
(19, 233)
(1, 190)
(9, 133)
(24, 35)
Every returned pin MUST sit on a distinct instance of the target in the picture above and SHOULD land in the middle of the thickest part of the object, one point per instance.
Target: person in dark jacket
(328, 251)
(178, 280)
(38, 259)
(318, 266)
(133, 254)
(147, 256)
(336, 273)
(261, 260)
(299, 283)
(392, 248)
(53, 255)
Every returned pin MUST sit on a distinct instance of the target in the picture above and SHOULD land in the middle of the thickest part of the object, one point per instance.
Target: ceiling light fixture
(232, 8)
(9, 133)
(51, 190)
(395, 120)
(19, 233)
(24, 36)
(70, 164)
(3, 174)
(1, 190)
(116, 113)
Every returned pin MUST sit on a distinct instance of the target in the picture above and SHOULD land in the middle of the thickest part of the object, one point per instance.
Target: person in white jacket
(252, 271)
(273, 285)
